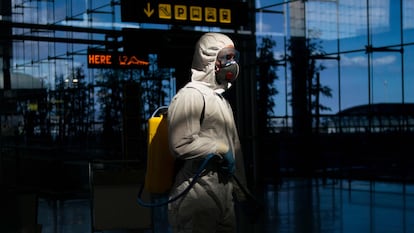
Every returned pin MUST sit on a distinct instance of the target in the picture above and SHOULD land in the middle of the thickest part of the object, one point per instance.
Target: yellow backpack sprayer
(160, 163)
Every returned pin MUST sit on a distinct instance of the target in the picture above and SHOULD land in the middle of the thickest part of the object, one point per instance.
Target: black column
(5, 44)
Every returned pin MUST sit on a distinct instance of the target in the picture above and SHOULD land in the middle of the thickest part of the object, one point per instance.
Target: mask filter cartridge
(228, 73)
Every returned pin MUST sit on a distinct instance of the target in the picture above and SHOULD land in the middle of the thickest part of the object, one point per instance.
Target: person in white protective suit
(201, 123)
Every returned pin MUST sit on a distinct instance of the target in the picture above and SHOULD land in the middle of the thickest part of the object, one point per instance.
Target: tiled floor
(343, 207)
(296, 206)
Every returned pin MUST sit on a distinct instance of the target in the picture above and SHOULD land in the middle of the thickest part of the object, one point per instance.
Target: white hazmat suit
(201, 122)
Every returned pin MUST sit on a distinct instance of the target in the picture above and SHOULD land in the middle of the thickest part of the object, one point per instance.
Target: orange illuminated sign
(101, 59)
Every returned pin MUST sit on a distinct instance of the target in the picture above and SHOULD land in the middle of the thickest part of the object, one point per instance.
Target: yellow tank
(160, 163)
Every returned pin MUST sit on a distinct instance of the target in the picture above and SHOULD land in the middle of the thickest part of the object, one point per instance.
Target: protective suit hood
(205, 56)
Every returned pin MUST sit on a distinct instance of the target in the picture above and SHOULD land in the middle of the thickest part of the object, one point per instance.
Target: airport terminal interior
(324, 106)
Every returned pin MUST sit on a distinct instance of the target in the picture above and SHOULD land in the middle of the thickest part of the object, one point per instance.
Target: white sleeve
(184, 115)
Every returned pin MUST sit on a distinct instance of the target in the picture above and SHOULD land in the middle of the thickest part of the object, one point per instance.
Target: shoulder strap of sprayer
(194, 180)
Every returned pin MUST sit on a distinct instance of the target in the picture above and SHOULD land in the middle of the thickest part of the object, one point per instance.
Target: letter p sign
(180, 12)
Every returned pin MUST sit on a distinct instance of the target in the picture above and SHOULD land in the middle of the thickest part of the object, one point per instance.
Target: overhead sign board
(223, 13)
(104, 59)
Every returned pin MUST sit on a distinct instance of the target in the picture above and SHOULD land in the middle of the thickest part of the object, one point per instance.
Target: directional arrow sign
(222, 13)
(149, 11)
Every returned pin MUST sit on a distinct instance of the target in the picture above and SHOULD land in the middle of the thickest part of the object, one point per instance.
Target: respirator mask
(227, 68)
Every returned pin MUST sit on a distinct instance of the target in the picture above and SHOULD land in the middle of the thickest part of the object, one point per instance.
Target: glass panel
(386, 78)
(330, 47)
(322, 23)
(352, 24)
(354, 81)
(281, 99)
(408, 74)
(408, 21)
(321, 19)
(77, 8)
(270, 20)
(385, 23)
(329, 78)
(271, 23)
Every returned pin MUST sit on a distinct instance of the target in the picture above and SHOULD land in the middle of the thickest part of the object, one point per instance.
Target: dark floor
(297, 206)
